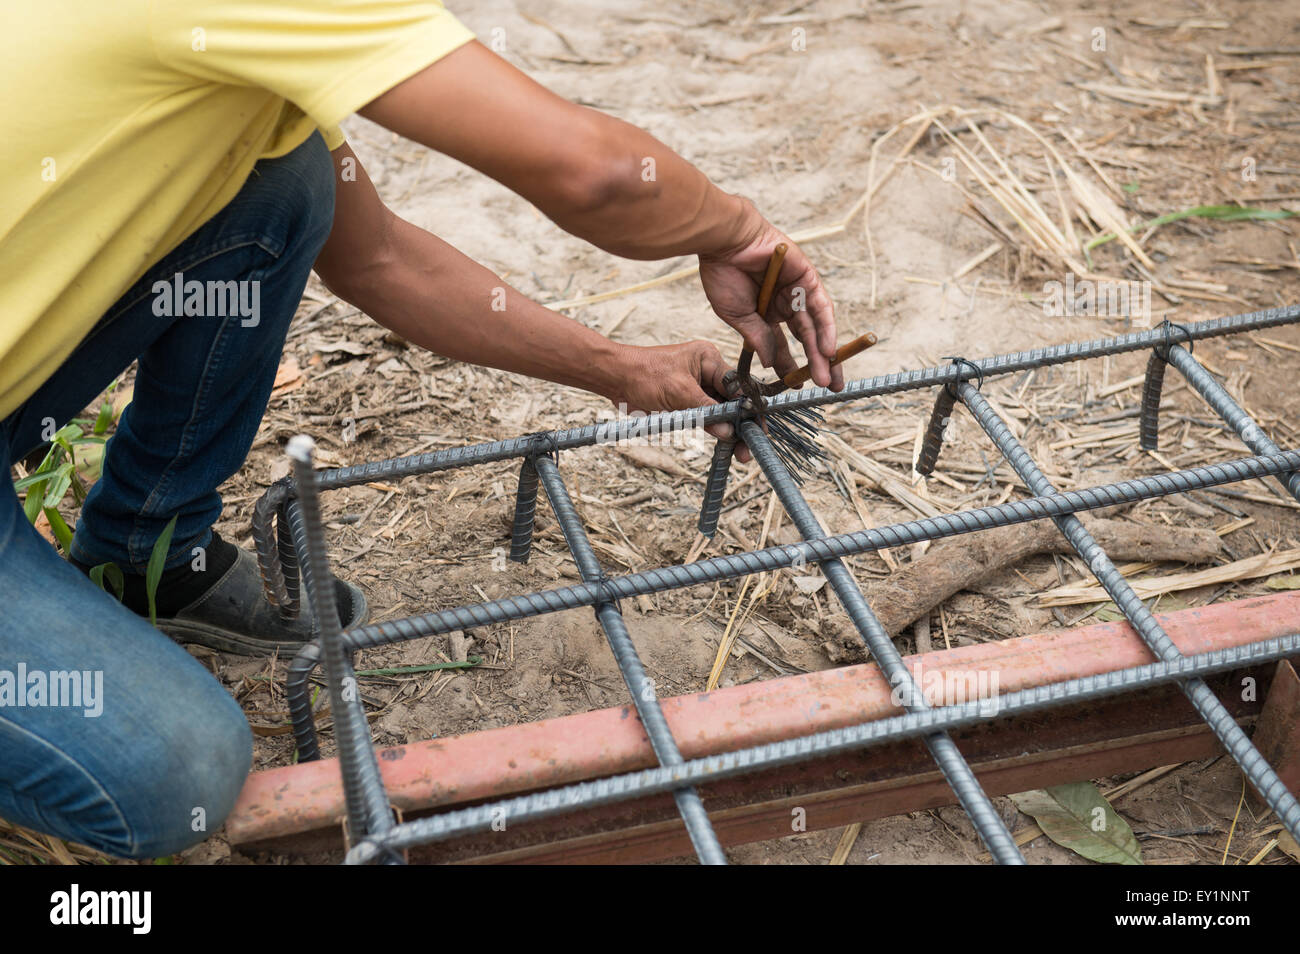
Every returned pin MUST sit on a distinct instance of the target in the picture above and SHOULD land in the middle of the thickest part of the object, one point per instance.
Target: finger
(742, 453)
(799, 273)
(785, 361)
(721, 430)
(758, 336)
(822, 311)
(818, 364)
(713, 370)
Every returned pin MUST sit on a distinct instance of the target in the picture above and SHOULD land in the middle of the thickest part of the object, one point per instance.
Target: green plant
(61, 471)
(56, 475)
(154, 571)
(1223, 213)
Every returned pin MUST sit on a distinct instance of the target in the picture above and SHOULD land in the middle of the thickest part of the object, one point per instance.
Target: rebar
(1149, 415)
(1217, 396)
(521, 531)
(1239, 746)
(664, 422)
(715, 487)
(363, 789)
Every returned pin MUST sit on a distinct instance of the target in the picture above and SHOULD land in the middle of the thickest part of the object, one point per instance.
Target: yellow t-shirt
(130, 123)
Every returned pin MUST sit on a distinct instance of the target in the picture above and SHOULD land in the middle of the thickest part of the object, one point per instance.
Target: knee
(193, 783)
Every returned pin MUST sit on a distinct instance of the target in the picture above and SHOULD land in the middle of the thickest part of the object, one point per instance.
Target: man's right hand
(731, 280)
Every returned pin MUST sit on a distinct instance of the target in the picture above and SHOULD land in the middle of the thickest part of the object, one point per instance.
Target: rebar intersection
(290, 544)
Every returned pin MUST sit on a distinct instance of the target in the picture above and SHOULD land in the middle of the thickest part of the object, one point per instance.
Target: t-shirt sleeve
(333, 136)
(327, 57)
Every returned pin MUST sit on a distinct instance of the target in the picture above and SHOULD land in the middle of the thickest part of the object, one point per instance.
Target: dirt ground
(793, 130)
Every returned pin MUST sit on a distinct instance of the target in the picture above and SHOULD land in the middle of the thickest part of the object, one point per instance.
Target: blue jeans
(159, 765)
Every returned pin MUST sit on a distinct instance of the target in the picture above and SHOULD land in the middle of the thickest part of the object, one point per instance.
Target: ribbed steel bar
(715, 487)
(988, 823)
(735, 565)
(367, 802)
(1233, 414)
(1209, 707)
(664, 422)
(932, 442)
(639, 685)
(289, 570)
(823, 744)
(1149, 415)
(521, 531)
(266, 544)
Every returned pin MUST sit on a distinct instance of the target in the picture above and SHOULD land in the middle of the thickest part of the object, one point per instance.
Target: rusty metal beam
(1277, 734)
(297, 808)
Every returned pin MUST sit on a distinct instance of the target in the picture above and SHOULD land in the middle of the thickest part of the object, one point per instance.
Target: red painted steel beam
(299, 807)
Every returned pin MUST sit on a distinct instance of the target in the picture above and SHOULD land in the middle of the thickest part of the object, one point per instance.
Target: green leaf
(1109, 613)
(153, 573)
(113, 573)
(34, 477)
(58, 485)
(62, 532)
(1075, 816)
(90, 462)
(104, 419)
(68, 432)
(32, 505)
(1224, 213)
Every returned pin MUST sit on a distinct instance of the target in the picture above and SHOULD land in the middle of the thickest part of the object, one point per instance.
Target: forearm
(436, 297)
(598, 177)
(634, 178)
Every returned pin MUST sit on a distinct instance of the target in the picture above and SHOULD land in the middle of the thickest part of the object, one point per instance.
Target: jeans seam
(99, 787)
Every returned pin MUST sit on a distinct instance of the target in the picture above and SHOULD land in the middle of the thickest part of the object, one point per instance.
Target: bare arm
(617, 187)
(434, 296)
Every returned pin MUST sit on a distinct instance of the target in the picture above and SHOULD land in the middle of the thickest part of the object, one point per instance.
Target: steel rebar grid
(771, 755)
(1209, 707)
(1208, 329)
(956, 772)
(640, 686)
(367, 802)
(730, 566)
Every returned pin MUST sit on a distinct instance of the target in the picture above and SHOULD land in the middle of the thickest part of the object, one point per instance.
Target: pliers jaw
(743, 385)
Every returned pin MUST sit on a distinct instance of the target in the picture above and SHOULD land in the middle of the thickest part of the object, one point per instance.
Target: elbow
(604, 175)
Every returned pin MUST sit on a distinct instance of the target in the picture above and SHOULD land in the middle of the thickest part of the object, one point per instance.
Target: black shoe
(221, 605)
(233, 616)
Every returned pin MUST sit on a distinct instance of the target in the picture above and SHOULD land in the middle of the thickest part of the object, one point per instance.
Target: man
(174, 172)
